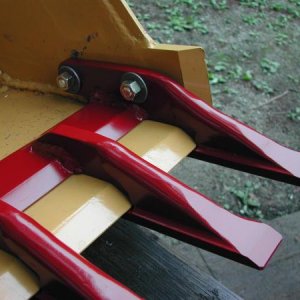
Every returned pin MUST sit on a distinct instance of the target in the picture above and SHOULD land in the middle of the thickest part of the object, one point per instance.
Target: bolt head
(129, 90)
(64, 81)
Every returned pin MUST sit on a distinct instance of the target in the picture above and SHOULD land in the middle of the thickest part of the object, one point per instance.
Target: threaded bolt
(129, 90)
(64, 81)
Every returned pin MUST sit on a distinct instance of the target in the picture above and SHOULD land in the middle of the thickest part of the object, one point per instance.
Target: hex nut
(129, 90)
(64, 80)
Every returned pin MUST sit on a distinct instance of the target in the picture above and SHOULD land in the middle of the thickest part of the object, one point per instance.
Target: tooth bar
(190, 213)
(227, 141)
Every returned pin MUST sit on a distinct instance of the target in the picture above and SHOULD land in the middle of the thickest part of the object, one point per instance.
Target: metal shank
(220, 138)
(156, 194)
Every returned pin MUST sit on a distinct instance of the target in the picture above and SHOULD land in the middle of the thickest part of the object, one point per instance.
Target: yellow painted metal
(36, 35)
(17, 282)
(79, 210)
(26, 115)
(161, 144)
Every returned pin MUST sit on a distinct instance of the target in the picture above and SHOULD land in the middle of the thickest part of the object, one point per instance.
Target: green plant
(281, 39)
(215, 78)
(294, 79)
(245, 54)
(219, 4)
(221, 66)
(253, 19)
(248, 204)
(297, 2)
(224, 72)
(281, 22)
(180, 23)
(254, 3)
(262, 86)
(230, 91)
(191, 3)
(269, 66)
(286, 8)
(294, 114)
(236, 72)
(143, 17)
(152, 26)
(130, 3)
(247, 76)
(161, 4)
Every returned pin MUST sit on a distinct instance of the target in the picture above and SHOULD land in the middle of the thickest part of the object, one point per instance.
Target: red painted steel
(26, 176)
(21, 235)
(147, 186)
(219, 138)
(108, 119)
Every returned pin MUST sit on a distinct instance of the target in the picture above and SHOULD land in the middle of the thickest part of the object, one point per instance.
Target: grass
(254, 4)
(262, 86)
(221, 73)
(219, 4)
(291, 7)
(253, 19)
(248, 204)
(269, 66)
(294, 114)
(178, 22)
(182, 16)
(281, 39)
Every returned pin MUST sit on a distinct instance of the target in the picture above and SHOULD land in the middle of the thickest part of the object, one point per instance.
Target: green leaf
(253, 202)
(247, 76)
(269, 66)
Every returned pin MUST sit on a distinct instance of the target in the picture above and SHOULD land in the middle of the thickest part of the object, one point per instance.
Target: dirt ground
(252, 51)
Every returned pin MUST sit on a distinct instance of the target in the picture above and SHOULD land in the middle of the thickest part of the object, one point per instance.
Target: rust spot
(78, 53)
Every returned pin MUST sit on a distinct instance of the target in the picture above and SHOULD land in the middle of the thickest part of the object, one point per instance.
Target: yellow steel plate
(26, 115)
(161, 144)
(17, 282)
(79, 210)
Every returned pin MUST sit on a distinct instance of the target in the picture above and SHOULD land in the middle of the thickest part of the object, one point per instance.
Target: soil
(252, 50)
